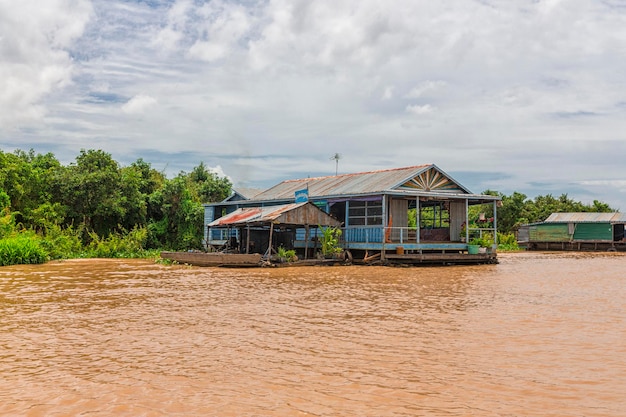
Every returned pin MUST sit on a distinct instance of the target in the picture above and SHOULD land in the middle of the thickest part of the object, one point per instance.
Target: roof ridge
(358, 173)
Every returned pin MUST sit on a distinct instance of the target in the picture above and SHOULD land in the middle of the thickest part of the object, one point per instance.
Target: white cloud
(270, 89)
(213, 29)
(419, 110)
(424, 88)
(388, 93)
(619, 184)
(34, 38)
(139, 104)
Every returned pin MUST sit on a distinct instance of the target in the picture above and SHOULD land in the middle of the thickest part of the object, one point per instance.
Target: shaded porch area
(416, 229)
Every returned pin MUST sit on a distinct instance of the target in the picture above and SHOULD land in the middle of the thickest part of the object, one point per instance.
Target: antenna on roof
(336, 157)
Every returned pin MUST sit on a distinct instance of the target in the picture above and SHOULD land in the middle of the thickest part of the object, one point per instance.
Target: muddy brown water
(537, 335)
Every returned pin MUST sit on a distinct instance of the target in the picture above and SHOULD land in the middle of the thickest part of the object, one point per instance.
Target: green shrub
(330, 241)
(116, 245)
(7, 222)
(507, 242)
(22, 249)
(287, 255)
(63, 243)
(486, 241)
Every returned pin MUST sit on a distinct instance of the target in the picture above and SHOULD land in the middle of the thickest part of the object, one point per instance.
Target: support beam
(466, 220)
(495, 223)
(268, 254)
(307, 231)
(418, 219)
(248, 239)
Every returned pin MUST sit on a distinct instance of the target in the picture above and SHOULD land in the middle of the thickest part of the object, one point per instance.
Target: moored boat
(214, 258)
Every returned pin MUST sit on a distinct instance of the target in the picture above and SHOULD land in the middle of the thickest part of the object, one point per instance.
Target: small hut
(264, 229)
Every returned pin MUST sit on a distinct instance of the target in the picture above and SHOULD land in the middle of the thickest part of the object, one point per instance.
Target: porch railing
(480, 232)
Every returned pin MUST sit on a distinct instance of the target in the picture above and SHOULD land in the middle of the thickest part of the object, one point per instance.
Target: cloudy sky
(509, 95)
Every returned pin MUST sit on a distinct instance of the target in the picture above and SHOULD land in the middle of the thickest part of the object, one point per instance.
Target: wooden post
(418, 220)
(248, 238)
(268, 254)
(306, 241)
(495, 223)
(467, 220)
(385, 225)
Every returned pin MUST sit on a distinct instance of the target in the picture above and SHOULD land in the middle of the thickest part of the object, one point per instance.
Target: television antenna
(336, 157)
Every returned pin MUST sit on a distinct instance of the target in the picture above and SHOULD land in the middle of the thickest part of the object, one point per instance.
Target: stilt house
(411, 215)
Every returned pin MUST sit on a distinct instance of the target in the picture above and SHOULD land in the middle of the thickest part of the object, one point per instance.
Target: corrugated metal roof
(295, 213)
(349, 184)
(247, 192)
(586, 218)
(242, 193)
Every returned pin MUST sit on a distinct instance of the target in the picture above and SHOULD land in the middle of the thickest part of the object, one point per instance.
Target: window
(435, 216)
(365, 213)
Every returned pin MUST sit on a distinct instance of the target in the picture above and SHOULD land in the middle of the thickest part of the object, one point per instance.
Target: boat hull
(214, 259)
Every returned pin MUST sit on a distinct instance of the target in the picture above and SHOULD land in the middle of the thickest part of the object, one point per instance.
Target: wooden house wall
(399, 211)
(208, 218)
(457, 218)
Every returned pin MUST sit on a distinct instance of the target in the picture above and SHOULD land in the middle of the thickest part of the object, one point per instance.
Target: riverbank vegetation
(94, 207)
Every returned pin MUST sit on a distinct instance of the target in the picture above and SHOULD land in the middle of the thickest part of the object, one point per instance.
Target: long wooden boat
(214, 258)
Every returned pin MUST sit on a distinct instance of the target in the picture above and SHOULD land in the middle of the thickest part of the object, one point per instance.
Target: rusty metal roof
(290, 214)
(412, 177)
(586, 218)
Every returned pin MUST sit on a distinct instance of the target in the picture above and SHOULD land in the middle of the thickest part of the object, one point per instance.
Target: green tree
(517, 209)
(180, 224)
(26, 178)
(206, 186)
(90, 189)
(512, 212)
(7, 224)
(151, 182)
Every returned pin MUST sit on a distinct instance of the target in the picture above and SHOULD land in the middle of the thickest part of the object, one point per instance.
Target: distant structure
(336, 157)
(575, 231)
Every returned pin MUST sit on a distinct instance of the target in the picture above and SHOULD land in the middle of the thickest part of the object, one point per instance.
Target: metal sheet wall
(549, 233)
(593, 231)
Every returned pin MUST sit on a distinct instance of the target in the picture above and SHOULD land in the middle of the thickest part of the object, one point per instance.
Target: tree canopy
(95, 197)
(517, 209)
(98, 196)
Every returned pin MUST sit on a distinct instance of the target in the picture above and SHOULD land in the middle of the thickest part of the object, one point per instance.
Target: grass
(22, 249)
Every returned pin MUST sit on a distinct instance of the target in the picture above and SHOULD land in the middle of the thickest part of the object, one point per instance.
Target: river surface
(536, 335)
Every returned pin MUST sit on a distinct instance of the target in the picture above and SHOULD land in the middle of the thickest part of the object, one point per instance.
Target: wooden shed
(263, 229)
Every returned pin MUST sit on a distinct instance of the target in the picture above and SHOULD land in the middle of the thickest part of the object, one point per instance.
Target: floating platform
(239, 260)
(577, 246)
(440, 258)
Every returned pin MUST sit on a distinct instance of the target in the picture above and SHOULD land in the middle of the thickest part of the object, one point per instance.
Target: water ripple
(536, 335)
